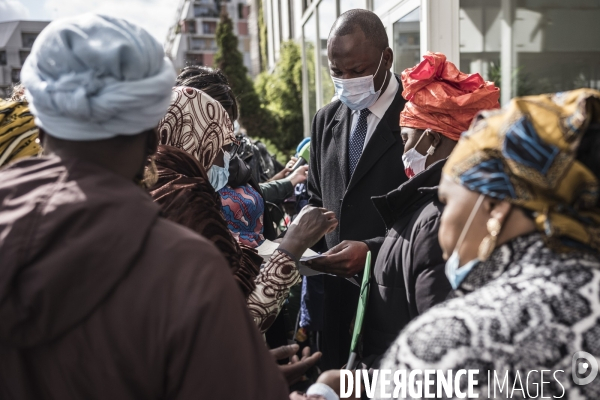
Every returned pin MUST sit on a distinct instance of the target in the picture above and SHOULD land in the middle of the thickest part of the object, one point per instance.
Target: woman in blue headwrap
(521, 235)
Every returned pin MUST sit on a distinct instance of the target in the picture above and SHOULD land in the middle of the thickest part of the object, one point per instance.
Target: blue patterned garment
(243, 210)
(357, 140)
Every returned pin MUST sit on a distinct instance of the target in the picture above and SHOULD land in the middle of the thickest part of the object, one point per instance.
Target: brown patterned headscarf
(197, 124)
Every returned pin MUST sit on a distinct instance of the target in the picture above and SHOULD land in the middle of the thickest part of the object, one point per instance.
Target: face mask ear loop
(379, 66)
(419, 141)
(469, 221)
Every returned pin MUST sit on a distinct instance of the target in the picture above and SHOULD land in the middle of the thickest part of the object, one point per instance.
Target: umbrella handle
(351, 361)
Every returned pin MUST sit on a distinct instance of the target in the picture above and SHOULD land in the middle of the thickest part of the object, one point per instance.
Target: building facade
(525, 46)
(16, 39)
(192, 39)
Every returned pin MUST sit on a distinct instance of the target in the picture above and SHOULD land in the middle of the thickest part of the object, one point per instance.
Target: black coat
(379, 170)
(408, 276)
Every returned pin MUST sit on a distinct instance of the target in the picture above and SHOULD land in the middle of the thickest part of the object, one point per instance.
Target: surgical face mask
(358, 93)
(218, 176)
(454, 272)
(414, 162)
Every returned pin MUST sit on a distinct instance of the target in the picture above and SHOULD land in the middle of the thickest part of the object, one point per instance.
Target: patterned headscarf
(197, 124)
(525, 154)
(18, 132)
(442, 98)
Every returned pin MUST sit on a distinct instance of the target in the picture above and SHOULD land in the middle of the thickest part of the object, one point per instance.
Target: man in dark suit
(356, 153)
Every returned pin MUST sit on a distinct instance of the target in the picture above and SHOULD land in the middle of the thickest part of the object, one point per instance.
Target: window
(22, 56)
(407, 41)
(194, 59)
(242, 28)
(2, 57)
(310, 44)
(203, 44)
(28, 39)
(555, 44)
(190, 26)
(326, 19)
(15, 75)
(346, 5)
(209, 28)
(205, 10)
(241, 11)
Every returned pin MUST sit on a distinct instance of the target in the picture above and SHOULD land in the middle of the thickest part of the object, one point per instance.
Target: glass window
(22, 56)
(194, 59)
(346, 5)
(204, 10)
(2, 57)
(203, 44)
(555, 44)
(15, 75)
(28, 39)
(380, 3)
(407, 41)
(310, 44)
(209, 27)
(326, 19)
(190, 26)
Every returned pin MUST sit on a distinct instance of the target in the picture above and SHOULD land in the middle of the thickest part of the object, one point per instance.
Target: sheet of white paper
(268, 247)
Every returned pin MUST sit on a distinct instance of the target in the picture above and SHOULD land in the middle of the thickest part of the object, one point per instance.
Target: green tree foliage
(257, 120)
(281, 92)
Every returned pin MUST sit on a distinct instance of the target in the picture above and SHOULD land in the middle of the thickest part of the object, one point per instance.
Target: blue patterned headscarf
(526, 154)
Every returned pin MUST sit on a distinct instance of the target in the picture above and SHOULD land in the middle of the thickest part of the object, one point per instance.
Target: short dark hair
(366, 21)
(212, 82)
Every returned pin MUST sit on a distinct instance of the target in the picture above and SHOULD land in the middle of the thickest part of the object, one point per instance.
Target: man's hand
(308, 228)
(346, 259)
(294, 371)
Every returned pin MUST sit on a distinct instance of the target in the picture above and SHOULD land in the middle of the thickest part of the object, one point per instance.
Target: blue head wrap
(94, 77)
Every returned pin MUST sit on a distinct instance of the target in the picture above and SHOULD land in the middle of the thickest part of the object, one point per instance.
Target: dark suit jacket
(379, 171)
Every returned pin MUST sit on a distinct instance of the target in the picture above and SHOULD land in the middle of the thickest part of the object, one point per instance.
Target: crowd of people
(132, 222)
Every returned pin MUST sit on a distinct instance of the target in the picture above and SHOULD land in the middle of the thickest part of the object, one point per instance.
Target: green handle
(362, 304)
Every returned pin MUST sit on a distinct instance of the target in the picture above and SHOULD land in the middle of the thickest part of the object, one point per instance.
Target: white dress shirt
(378, 109)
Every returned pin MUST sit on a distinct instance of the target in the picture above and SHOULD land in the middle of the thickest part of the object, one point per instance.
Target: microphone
(303, 156)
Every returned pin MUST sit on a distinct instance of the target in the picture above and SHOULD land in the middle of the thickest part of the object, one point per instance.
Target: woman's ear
(435, 138)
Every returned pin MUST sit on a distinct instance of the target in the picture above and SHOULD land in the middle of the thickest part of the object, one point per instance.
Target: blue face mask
(358, 93)
(218, 176)
(454, 272)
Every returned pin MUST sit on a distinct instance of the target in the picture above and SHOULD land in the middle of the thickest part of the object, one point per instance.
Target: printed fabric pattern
(18, 132)
(526, 154)
(243, 209)
(196, 124)
(272, 289)
(526, 308)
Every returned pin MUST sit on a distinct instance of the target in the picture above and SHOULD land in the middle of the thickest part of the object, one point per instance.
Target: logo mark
(584, 368)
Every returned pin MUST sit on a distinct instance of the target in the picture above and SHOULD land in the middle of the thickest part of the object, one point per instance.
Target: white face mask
(218, 176)
(358, 93)
(454, 272)
(414, 162)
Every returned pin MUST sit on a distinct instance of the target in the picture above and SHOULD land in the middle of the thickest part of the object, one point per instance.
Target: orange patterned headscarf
(442, 98)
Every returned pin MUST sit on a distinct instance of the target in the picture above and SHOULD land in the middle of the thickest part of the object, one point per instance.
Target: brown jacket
(100, 298)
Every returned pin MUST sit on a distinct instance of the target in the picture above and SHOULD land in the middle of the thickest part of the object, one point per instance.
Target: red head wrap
(442, 98)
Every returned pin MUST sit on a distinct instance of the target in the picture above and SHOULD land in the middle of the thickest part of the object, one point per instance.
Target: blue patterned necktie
(357, 140)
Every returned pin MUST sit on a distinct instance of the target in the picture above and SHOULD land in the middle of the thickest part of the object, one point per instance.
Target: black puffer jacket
(408, 276)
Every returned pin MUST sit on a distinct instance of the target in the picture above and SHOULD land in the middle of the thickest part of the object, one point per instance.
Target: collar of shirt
(384, 101)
